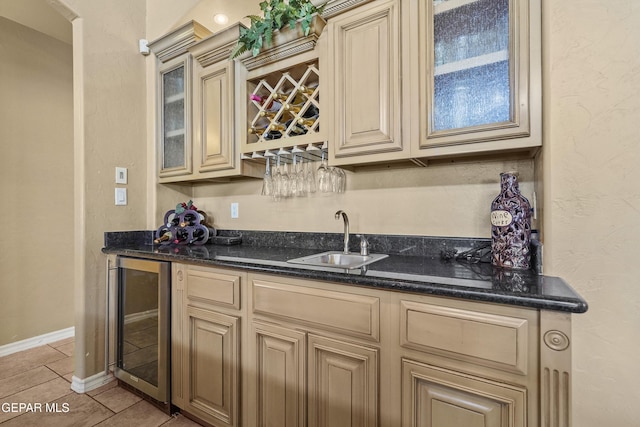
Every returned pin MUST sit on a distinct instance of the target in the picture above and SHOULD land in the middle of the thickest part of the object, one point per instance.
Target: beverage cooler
(143, 326)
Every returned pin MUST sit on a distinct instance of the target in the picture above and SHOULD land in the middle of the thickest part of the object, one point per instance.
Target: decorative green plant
(277, 14)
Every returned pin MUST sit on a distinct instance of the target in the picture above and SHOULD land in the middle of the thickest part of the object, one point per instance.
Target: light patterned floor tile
(25, 380)
(117, 399)
(66, 348)
(42, 393)
(23, 361)
(180, 420)
(62, 366)
(77, 410)
(103, 388)
(142, 414)
(62, 342)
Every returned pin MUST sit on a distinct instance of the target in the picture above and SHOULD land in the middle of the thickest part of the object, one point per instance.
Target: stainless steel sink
(338, 259)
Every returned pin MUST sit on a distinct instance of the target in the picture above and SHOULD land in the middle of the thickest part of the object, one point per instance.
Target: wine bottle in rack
(292, 107)
(308, 89)
(265, 132)
(311, 111)
(272, 135)
(297, 99)
(297, 129)
(166, 236)
(189, 218)
(306, 122)
(257, 130)
(171, 219)
(202, 235)
(277, 127)
(181, 237)
(268, 114)
(272, 105)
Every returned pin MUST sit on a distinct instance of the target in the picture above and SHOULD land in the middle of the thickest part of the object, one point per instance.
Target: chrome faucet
(346, 229)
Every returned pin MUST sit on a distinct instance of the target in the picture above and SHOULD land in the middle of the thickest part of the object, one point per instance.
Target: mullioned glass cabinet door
(174, 118)
(474, 71)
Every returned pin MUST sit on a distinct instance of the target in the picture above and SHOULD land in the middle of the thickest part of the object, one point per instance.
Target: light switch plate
(121, 175)
(121, 196)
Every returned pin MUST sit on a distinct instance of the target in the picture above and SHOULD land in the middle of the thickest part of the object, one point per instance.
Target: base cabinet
(206, 333)
(343, 384)
(279, 384)
(212, 366)
(263, 350)
(438, 397)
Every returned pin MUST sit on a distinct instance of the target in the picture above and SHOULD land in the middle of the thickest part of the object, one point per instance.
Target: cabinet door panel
(437, 397)
(212, 366)
(343, 384)
(214, 121)
(366, 85)
(279, 382)
(174, 118)
(478, 82)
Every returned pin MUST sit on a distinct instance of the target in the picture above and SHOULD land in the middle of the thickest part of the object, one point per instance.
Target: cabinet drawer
(218, 287)
(349, 314)
(493, 340)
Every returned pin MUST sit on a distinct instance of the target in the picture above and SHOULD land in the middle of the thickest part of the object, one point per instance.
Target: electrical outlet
(234, 210)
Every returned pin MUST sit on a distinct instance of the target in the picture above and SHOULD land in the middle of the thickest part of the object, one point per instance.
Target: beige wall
(452, 200)
(110, 115)
(36, 183)
(592, 195)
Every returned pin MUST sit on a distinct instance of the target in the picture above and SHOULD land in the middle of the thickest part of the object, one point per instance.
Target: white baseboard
(91, 383)
(15, 347)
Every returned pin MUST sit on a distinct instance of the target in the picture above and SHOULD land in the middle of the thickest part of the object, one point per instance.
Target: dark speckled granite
(414, 265)
(123, 238)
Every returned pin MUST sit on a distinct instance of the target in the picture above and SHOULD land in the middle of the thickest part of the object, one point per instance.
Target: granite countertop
(415, 264)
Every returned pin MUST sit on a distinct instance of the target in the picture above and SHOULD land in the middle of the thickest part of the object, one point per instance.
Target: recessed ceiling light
(220, 18)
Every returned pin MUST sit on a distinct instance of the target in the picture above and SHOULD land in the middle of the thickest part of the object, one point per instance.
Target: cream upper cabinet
(215, 151)
(174, 102)
(477, 76)
(197, 135)
(175, 113)
(417, 80)
(365, 82)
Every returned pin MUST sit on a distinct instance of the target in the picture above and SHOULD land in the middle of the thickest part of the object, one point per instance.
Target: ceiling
(37, 14)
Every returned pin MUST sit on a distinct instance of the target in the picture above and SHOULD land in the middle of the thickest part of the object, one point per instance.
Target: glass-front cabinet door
(475, 75)
(174, 118)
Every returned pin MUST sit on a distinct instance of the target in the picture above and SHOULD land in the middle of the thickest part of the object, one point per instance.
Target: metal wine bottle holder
(183, 229)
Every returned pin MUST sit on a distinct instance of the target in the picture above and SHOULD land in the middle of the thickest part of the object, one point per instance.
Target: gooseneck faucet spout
(346, 229)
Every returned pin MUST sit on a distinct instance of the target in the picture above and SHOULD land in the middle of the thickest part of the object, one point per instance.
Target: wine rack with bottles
(187, 228)
(283, 109)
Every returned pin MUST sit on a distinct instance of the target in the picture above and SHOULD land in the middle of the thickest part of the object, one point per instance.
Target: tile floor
(42, 376)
